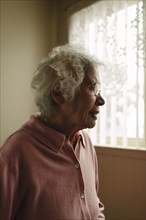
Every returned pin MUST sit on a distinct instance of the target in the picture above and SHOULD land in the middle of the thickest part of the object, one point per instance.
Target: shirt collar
(48, 136)
(80, 137)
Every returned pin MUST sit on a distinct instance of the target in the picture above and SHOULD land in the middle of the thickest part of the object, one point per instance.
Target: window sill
(132, 153)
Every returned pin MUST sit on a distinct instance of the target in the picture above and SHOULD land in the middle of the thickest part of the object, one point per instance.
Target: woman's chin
(91, 124)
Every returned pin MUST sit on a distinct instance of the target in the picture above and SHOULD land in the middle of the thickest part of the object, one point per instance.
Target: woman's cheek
(91, 101)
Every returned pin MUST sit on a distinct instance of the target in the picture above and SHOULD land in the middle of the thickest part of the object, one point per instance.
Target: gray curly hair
(65, 65)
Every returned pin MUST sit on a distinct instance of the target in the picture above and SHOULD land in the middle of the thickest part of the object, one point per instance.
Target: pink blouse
(43, 178)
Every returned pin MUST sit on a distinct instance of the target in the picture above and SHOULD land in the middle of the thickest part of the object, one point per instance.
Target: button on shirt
(43, 178)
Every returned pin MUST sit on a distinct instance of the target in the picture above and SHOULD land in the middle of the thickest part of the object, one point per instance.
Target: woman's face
(83, 110)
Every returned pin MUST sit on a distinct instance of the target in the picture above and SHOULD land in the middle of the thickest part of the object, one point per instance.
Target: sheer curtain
(113, 31)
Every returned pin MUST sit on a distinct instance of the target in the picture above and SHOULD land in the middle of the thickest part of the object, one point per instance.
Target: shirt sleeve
(8, 194)
(100, 204)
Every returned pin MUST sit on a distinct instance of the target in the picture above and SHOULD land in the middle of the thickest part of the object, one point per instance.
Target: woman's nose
(100, 100)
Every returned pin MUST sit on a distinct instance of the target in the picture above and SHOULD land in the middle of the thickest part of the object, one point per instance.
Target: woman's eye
(92, 87)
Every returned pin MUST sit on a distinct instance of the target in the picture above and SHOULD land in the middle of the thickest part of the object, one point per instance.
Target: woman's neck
(63, 127)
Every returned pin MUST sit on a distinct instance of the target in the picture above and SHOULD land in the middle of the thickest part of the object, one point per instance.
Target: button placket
(82, 196)
(80, 181)
(79, 173)
(77, 166)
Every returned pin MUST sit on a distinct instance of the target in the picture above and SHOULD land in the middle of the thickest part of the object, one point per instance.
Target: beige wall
(28, 31)
(122, 183)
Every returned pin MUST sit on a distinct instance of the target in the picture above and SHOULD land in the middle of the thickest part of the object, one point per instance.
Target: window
(113, 31)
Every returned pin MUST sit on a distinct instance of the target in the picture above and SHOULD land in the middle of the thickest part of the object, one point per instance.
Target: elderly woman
(48, 168)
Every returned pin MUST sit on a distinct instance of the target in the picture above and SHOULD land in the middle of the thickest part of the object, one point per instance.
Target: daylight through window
(113, 31)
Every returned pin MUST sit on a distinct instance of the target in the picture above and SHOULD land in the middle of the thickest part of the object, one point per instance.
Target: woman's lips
(94, 114)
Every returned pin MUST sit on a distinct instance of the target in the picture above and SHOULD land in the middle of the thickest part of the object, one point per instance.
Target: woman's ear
(57, 95)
